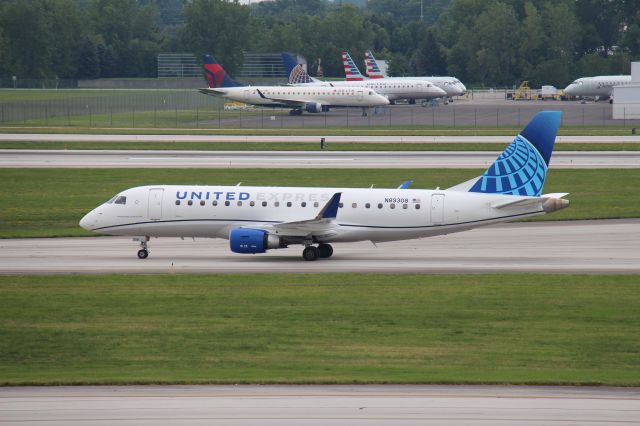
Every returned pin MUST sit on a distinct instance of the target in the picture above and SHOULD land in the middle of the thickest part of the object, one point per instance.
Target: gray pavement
(319, 405)
(52, 137)
(606, 246)
(296, 159)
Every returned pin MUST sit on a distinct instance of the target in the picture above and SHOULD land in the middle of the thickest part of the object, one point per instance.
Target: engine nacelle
(314, 107)
(247, 240)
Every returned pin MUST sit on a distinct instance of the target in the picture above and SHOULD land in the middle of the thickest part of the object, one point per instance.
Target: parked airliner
(446, 84)
(311, 99)
(390, 88)
(451, 85)
(257, 219)
(600, 86)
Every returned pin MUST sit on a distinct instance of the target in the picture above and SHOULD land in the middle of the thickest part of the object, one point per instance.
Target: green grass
(528, 329)
(304, 146)
(50, 202)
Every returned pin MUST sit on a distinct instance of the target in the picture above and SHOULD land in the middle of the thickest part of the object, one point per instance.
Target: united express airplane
(257, 219)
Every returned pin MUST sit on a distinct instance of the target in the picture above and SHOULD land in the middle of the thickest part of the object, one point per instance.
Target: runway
(296, 159)
(591, 247)
(320, 405)
(52, 137)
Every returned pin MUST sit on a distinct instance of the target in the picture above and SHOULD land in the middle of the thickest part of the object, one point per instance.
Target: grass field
(530, 329)
(306, 146)
(50, 202)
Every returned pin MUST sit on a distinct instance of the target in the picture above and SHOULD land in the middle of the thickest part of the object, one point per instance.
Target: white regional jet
(257, 219)
(451, 85)
(392, 89)
(311, 99)
(600, 86)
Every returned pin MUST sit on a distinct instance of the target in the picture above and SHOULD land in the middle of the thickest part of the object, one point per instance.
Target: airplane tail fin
(294, 70)
(351, 71)
(522, 168)
(373, 70)
(216, 75)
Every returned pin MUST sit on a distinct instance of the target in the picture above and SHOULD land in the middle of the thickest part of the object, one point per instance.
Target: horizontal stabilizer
(547, 200)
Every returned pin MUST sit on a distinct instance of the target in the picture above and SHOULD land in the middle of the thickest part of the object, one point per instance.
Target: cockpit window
(121, 199)
(111, 200)
(577, 82)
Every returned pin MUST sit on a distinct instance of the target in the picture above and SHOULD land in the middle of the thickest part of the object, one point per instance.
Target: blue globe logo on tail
(522, 168)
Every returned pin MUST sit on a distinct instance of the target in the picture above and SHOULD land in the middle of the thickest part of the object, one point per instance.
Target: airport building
(626, 99)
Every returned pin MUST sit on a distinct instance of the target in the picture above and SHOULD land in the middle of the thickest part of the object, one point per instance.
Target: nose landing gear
(143, 253)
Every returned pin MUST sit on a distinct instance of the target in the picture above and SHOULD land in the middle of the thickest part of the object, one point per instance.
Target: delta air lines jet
(311, 99)
(257, 219)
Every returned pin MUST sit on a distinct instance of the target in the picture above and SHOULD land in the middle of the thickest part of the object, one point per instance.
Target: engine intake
(314, 107)
(247, 240)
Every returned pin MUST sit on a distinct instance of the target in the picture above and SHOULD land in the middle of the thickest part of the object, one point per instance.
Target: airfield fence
(191, 109)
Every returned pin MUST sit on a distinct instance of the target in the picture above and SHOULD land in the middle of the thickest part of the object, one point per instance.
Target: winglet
(330, 210)
(261, 95)
(405, 184)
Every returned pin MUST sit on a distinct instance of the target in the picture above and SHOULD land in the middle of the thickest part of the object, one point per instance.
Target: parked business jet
(311, 99)
(451, 85)
(257, 219)
(600, 86)
(391, 89)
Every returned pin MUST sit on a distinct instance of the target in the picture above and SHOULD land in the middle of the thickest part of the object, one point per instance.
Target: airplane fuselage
(364, 214)
(600, 86)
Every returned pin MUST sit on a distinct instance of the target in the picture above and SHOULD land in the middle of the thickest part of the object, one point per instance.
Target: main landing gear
(323, 251)
(143, 253)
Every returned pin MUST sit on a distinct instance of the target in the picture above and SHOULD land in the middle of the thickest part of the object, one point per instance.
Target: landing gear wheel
(325, 251)
(310, 253)
(143, 254)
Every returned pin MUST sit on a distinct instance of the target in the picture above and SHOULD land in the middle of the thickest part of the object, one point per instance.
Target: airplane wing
(322, 223)
(285, 101)
(212, 91)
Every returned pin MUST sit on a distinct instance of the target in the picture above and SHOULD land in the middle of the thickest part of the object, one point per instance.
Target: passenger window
(276, 203)
(315, 204)
(121, 200)
(368, 205)
(405, 206)
(354, 205)
(252, 203)
(239, 203)
(393, 206)
(215, 202)
(264, 204)
(417, 206)
(288, 203)
(177, 202)
(190, 202)
(227, 203)
(303, 204)
(202, 202)
(341, 205)
(379, 205)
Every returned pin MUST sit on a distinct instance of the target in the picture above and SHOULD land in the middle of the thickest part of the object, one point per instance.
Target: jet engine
(247, 240)
(314, 107)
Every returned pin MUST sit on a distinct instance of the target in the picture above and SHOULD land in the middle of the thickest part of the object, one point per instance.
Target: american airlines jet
(389, 88)
(600, 86)
(311, 99)
(256, 219)
(451, 85)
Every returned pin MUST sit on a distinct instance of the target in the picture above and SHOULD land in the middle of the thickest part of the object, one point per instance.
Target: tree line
(482, 42)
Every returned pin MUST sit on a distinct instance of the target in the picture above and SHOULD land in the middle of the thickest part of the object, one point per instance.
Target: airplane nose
(569, 90)
(88, 221)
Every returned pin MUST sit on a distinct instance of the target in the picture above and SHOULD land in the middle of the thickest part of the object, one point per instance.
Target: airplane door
(246, 94)
(437, 209)
(155, 203)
